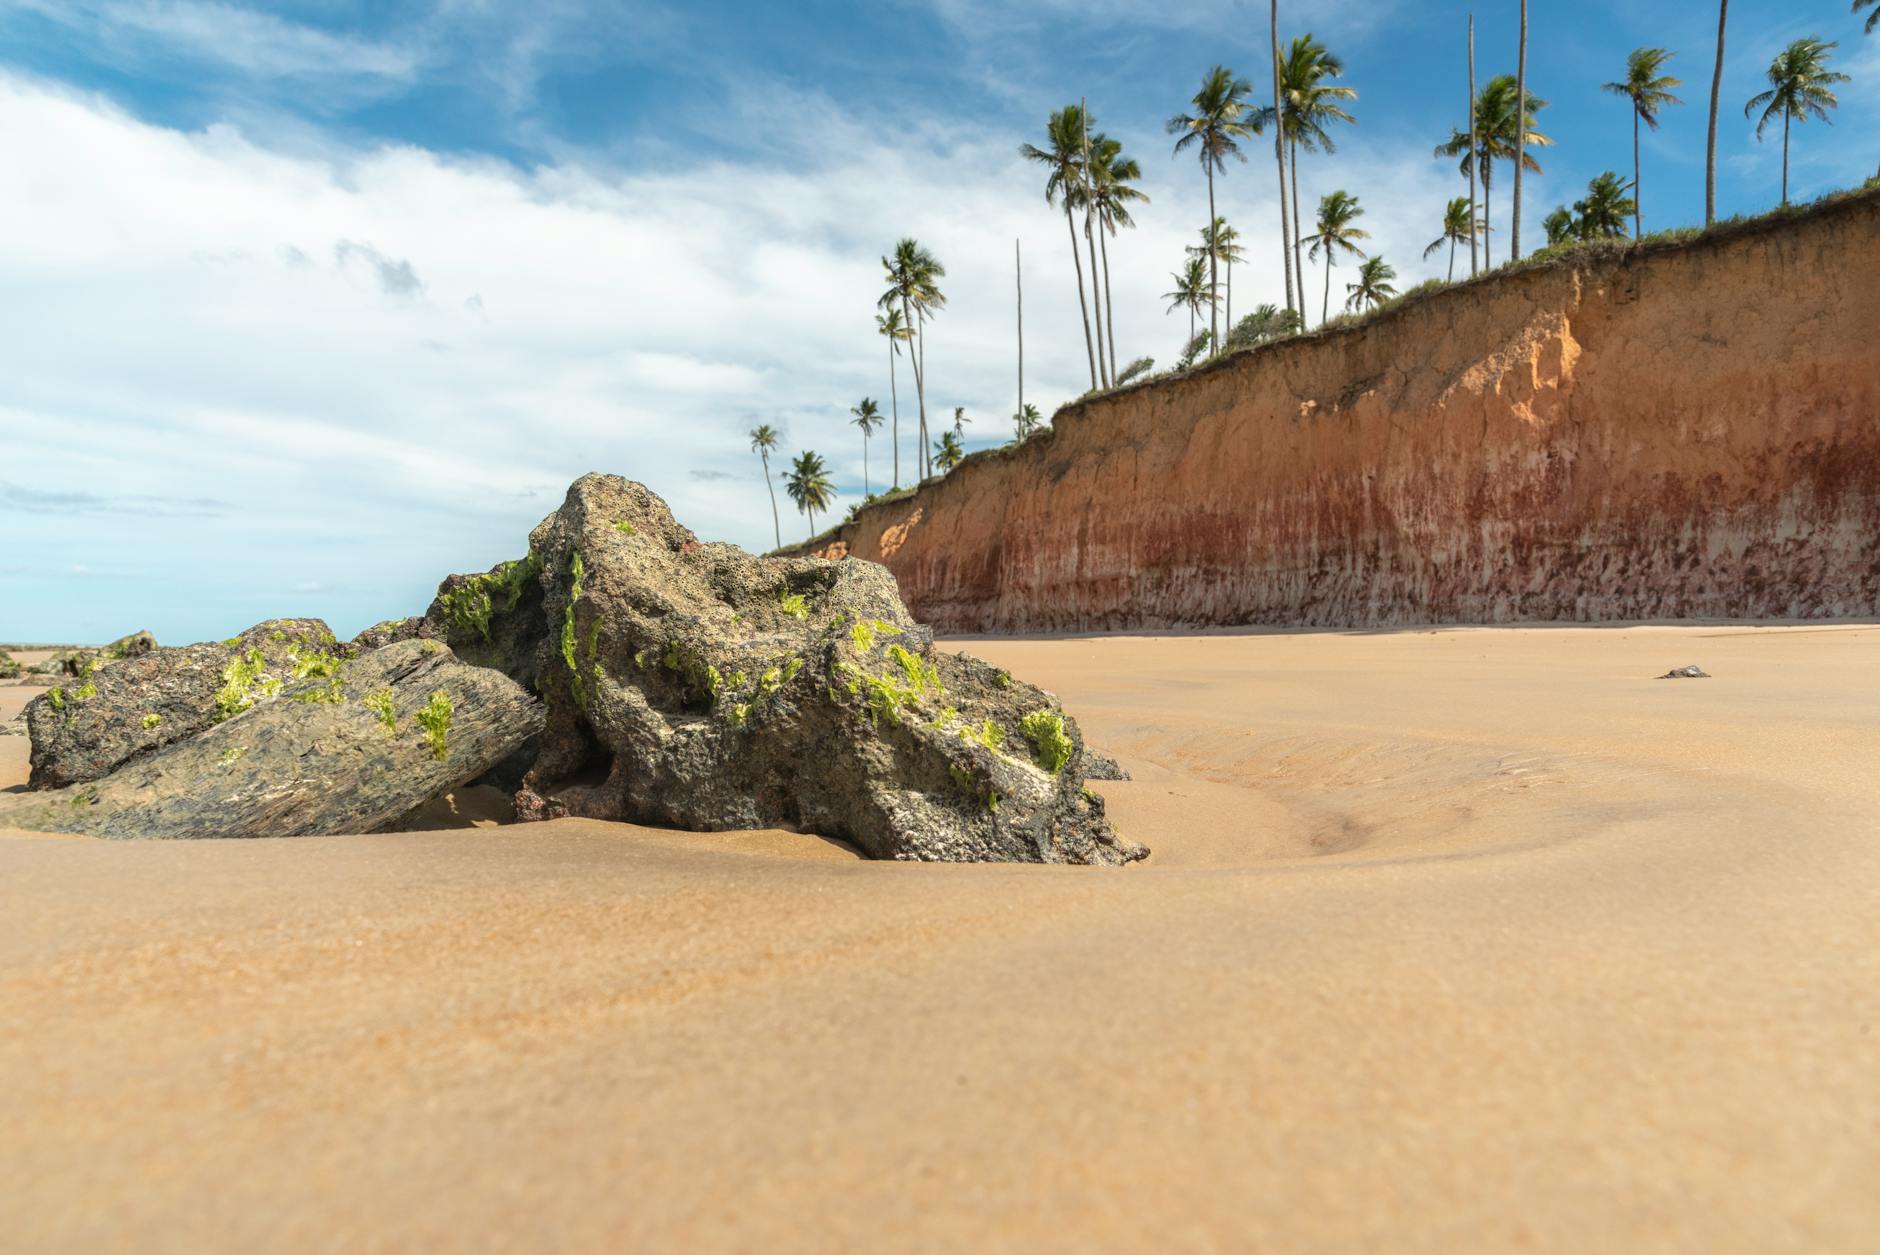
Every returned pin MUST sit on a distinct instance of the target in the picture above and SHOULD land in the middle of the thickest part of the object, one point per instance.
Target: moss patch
(470, 605)
(1050, 744)
(380, 704)
(434, 718)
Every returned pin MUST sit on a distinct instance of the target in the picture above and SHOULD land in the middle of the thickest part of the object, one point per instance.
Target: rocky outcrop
(114, 711)
(1684, 430)
(353, 749)
(9, 668)
(79, 663)
(693, 685)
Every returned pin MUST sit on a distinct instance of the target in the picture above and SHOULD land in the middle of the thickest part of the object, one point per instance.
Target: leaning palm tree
(1603, 211)
(763, 440)
(867, 416)
(1063, 160)
(1112, 177)
(1310, 106)
(1373, 287)
(1337, 233)
(1649, 90)
(809, 486)
(1799, 82)
(1497, 122)
(913, 277)
(1191, 289)
(896, 332)
(947, 452)
(1457, 227)
(1214, 130)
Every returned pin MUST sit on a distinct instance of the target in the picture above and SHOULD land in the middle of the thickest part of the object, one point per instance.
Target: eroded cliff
(1689, 430)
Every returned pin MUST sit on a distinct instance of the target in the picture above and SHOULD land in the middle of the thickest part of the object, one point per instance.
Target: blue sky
(311, 303)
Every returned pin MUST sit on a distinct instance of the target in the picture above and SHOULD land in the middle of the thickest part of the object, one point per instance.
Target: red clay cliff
(1687, 430)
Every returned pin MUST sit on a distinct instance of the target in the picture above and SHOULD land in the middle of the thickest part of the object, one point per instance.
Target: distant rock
(1100, 766)
(117, 712)
(694, 685)
(9, 669)
(358, 749)
(390, 632)
(79, 663)
(1686, 673)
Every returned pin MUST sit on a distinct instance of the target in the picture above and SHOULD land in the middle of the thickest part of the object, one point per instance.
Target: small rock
(1686, 673)
(1100, 766)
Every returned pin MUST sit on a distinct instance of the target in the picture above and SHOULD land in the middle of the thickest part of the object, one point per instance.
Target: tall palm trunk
(867, 490)
(1279, 160)
(1452, 259)
(1785, 158)
(1475, 267)
(1214, 279)
(1090, 349)
(1106, 366)
(920, 385)
(1109, 302)
(1716, 90)
(776, 520)
(1325, 312)
(894, 395)
(1230, 297)
(1298, 222)
(1638, 192)
(1488, 216)
(920, 389)
(1018, 282)
(1520, 136)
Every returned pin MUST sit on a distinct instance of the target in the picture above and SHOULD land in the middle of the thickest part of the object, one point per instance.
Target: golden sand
(1451, 941)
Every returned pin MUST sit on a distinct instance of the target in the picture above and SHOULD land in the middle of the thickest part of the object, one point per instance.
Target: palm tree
(1799, 79)
(1603, 211)
(913, 276)
(1310, 103)
(763, 440)
(1716, 94)
(1649, 91)
(1337, 214)
(1496, 126)
(1026, 421)
(1456, 228)
(1560, 226)
(947, 452)
(809, 486)
(1221, 243)
(1520, 138)
(1191, 289)
(1112, 175)
(960, 421)
(1064, 161)
(1214, 130)
(1373, 287)
(1873, 19)
(867, 416)
(896, 331)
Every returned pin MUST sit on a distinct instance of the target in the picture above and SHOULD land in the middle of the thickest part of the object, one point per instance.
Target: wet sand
(1464, 940)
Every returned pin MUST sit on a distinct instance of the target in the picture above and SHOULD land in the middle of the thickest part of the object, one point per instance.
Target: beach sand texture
(1475, 939)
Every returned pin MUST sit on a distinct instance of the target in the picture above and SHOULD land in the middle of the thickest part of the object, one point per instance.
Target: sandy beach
(1468, 939)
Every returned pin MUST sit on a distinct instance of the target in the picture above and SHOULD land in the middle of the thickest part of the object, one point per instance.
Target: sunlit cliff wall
(1682, 431)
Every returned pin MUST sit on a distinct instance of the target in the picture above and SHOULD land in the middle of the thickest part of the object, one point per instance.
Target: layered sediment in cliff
(1689, 430)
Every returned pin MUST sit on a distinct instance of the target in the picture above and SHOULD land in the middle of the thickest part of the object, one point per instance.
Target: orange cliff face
(1680, 431)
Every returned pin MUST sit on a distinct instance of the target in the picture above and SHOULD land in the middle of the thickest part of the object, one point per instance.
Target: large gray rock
(108, 715)
(356, 750)
(694, 685)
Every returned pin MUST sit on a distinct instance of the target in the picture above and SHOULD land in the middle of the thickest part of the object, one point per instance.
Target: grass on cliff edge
(1569, 253)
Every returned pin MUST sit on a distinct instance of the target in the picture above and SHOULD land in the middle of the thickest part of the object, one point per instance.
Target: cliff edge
(1664, 431)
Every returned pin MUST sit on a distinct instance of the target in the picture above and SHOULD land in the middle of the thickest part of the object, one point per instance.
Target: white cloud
(383, 364)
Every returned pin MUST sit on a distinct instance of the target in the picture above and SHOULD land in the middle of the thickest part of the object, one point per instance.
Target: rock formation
(694, 685)
(351, 748)
(1674, 430)
(118, 711)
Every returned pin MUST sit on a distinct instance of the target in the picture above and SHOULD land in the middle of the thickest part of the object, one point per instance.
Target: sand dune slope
(1472, 940)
